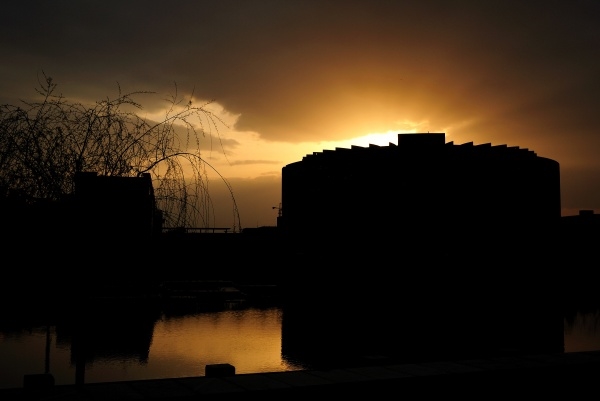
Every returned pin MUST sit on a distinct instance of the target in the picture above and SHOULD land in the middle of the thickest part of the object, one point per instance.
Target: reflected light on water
(583, 334)
(249, 340)
(182, 346)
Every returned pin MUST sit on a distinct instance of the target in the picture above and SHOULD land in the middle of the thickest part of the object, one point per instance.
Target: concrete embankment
(558, 375)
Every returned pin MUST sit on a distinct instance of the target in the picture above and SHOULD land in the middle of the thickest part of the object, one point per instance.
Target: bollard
(38, 382)
(219, 370)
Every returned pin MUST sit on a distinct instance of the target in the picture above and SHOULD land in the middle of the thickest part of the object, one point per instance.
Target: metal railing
(196, 230)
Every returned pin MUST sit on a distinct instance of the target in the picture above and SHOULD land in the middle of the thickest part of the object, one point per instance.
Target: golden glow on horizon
(243, 154)
(244, 158)
(268, 158)
(373, 138)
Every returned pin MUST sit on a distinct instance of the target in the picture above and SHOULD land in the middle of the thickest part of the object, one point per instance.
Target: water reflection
(426, 314)
(582, 330)
(248, 339)
(182, 346)
(144, 346)
(158, 345)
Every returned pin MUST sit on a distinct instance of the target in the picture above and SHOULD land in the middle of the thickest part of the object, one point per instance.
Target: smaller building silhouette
(580, 236)
(116, 207)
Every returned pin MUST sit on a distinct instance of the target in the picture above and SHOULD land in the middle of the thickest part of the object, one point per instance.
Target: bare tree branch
(43, 144)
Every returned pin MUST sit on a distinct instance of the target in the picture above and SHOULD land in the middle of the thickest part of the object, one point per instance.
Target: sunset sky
(299, 76)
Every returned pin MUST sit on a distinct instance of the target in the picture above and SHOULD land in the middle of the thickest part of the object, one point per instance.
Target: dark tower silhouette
(421, 193)
(444, 248)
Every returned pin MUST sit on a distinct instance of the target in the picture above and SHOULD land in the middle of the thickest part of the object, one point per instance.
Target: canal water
(171, 344)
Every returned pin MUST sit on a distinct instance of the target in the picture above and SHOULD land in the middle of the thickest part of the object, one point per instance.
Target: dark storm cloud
(518, 72)
(292, 66)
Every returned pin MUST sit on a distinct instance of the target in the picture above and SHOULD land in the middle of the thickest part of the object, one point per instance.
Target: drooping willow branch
(166, 189)
(44, 143)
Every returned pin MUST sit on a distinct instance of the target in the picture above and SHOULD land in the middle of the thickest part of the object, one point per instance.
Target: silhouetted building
(116, 207)
(580, 236)
(581, 232)
(422, 192)
(100, 206)
(422, 248)
(586, 220)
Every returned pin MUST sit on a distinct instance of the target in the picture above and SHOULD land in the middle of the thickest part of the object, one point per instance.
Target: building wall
(422, 248)
(423, 192)
(116, 208)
